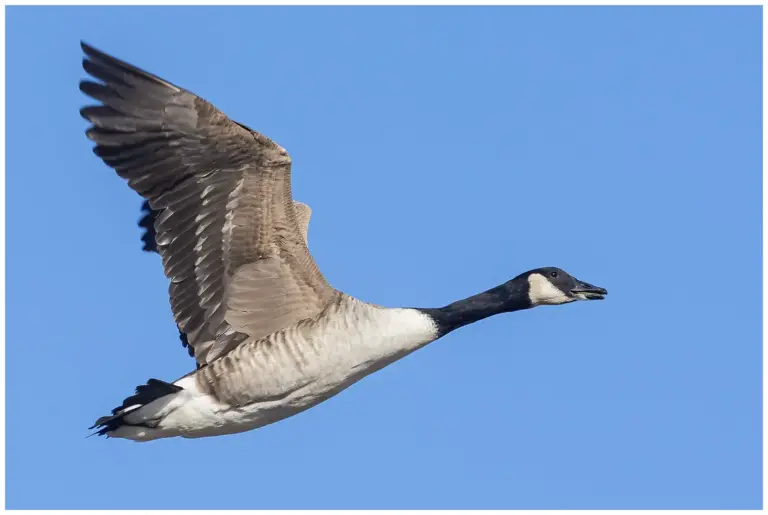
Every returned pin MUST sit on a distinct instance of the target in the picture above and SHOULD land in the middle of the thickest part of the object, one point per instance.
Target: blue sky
(443, 151)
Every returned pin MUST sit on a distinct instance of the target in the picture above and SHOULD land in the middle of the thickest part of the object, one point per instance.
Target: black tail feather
(145, 393)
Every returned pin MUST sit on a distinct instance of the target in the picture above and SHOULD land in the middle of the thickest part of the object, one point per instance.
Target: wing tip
(98, 56)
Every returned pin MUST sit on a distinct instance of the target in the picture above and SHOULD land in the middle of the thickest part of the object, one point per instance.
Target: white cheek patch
(541, 291)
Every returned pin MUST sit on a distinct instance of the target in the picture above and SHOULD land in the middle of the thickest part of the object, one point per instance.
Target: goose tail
(129, 420)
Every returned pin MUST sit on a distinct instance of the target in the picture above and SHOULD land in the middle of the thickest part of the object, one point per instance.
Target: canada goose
(270, 336)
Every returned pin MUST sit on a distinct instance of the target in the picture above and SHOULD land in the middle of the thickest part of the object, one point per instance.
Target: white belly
(299, 368)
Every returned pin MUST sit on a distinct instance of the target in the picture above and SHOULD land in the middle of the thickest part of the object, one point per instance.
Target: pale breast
(318, 357)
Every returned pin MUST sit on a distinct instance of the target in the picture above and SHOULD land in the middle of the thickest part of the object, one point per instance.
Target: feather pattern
(225, 223)
(307, 362)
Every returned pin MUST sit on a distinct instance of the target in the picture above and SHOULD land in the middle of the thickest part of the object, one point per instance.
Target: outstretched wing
(227, 230)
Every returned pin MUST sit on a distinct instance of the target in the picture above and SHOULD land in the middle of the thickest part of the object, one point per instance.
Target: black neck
(510, 296)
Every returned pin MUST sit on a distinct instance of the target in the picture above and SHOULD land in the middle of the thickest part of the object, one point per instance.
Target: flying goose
(271, 337)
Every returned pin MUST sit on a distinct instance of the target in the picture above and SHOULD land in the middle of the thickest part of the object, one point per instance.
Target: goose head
(553, 286)
(538, 287)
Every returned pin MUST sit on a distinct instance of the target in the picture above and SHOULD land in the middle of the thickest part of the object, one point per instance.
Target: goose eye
(553, 274)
